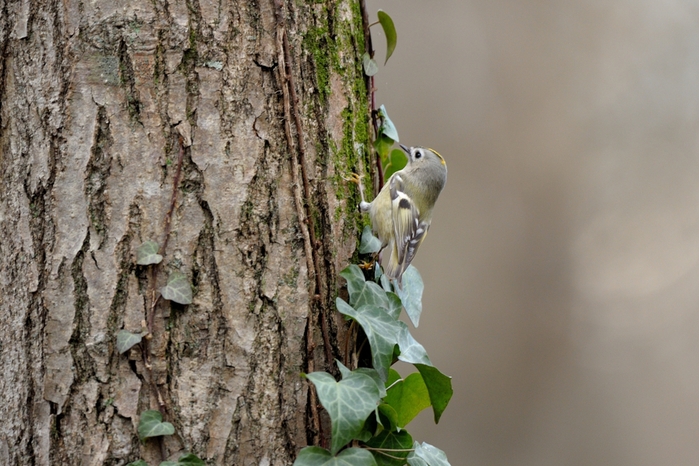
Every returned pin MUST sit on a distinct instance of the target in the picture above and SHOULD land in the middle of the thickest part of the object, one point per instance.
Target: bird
(401, 213)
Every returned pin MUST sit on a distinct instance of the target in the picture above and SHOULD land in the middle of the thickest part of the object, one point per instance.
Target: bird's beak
(406, 149)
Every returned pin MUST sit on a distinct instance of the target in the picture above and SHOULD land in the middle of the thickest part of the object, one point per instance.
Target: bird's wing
(407, 228)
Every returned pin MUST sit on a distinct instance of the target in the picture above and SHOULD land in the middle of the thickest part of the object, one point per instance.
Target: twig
(155, 297)
(173, 196)
(298, 167)
(371, 89)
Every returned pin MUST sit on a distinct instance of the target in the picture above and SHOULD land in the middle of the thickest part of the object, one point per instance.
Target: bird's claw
(352, 177)
(364, 265)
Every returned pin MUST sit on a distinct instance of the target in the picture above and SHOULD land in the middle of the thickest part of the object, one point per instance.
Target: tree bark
(176, 122)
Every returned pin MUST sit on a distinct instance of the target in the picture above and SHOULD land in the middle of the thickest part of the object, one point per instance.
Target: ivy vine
(369, 407)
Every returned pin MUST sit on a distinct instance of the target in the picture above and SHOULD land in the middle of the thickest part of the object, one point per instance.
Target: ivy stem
(391, 386)
(395, 450)
(382, 451)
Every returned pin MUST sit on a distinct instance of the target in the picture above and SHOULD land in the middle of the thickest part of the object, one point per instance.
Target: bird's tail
(392, 268)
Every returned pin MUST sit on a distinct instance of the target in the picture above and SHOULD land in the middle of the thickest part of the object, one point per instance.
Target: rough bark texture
(100, 103)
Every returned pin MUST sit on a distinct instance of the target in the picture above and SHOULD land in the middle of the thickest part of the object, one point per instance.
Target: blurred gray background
(562, 267)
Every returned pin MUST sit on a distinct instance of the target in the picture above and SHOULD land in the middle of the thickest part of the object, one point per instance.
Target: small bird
(402, 212)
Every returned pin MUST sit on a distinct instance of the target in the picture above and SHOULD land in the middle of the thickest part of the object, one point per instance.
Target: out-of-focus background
(562, 267)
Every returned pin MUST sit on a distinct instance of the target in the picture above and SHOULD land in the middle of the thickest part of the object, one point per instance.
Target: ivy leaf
(378, 272)
(394, 304)
(147, 253)
(381, 330)
(391, 441)
(375, 377)
(388, 417)
(138, 463)
(438, 386)
(189, 459)
(151, 425)
(386, 285)
(370, 294)
(428, 455)
(355, 279)
(408, 397)
(411, 351)
(316, 456)
(387, 128)
(348, 403)
(397, 161)
(393, 377)
(178, 289)
(415, 461)
(169, 463)
(383, 146)
(362, 292)
(344, 370)
(389, 29)
(126, 340)
(411, 294)
(370, 66)
(369, 244)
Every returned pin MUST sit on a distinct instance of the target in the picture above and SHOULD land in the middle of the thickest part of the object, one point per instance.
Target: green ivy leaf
(387, 417)
(369, 244)
(438, 386)
(371, 294)
(362, 292)
(316, 456)
(415, 461)
(169, 463)
(375, 377)
(378, 272)
(391, 441)
(178, 289)
(411, 351)
(411, 294)
(126, 340)
(398, 160)
(387, 128)
(428, 455)
(348, 403)
(344, 370)
(393, 377)
(381, 330)
(386, 285)
(355, 279)
(151, 425)
(138, 463)
(188, 459)
(394, 304)
(147, 253)
(389, 29)
(408, 398)
(383, 146)
(370, 66)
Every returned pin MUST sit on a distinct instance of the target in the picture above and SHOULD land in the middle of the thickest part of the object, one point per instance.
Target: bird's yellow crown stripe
(438, 155)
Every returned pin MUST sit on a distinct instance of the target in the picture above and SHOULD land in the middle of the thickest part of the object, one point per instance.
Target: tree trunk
(122, 122)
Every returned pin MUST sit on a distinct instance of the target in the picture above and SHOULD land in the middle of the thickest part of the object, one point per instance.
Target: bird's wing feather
(408, 230)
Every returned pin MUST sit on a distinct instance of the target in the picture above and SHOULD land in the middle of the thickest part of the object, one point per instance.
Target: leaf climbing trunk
(220, 130)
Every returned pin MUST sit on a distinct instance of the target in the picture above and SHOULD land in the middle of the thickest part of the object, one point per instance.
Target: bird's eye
(418, 154)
